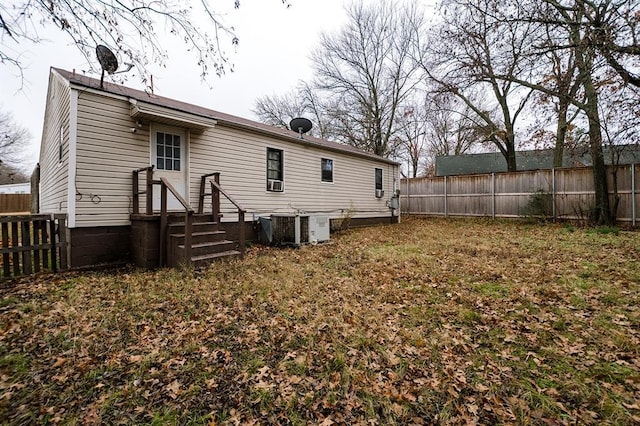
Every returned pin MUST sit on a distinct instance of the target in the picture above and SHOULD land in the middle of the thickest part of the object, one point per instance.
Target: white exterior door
(168, 155)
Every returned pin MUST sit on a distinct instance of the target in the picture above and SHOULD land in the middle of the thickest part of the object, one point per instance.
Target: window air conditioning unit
(275, 185)
(379, 193)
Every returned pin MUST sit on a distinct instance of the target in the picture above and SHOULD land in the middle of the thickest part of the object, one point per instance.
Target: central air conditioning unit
(289, 229)
(275, 185)
(319, 229)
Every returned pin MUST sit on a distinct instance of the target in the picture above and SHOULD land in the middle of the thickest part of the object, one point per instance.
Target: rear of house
(95, 137)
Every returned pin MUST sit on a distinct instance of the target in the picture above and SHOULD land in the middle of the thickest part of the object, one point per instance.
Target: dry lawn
(430, 321)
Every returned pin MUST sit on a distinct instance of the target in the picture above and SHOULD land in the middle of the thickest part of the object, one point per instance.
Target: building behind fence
(554, 193)
(15, 203)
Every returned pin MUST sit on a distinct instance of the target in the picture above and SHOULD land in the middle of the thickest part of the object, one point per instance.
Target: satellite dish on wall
(300, 125)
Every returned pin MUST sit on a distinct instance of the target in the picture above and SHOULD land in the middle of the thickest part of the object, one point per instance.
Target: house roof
(220, 117)
(494, 162)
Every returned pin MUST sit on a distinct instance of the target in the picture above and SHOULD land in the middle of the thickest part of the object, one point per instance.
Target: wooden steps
(208, 243)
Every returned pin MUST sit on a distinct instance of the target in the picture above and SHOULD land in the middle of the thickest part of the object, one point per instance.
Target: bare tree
(468, 53)
(11, 174)
(412, 137)
(13, 140)
(278, 110)
(365, 72)
(452, 128)
(573, 21)
(130, 27)
(614, 28)
(304, 101)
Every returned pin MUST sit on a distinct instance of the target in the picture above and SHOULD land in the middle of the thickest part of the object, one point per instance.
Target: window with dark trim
(167, 151)
(326, 167)
(61, 145)
(379, 179)
(275, 169)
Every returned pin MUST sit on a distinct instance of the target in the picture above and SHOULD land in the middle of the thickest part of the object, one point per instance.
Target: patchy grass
(429, 321)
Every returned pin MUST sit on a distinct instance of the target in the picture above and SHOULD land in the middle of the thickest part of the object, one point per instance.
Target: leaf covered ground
(430, 321)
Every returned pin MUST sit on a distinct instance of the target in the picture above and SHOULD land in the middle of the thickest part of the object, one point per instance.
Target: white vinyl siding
(107, 153)
(53, 171)
(240, 157)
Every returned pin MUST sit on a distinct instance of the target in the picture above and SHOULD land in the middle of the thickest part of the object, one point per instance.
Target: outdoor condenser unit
(289, 229)
(319, 228)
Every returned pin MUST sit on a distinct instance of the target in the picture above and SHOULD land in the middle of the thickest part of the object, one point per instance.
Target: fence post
(446, 208)
(553, 192)
(162, 253)
(136, 197)
(64, 246)
(493, 196)
(241, 235)
(633, 195)
(408, 195)
(54, 246)
(149, 194)
(26, 242)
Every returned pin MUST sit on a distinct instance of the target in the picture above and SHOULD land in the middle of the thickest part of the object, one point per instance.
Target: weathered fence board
(568, 192)
(15, 203)
(32, 243)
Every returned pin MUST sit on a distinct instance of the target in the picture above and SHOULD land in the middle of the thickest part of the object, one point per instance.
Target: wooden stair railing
(188, 221)
(216, 190)
(148, 191)
(165, 187)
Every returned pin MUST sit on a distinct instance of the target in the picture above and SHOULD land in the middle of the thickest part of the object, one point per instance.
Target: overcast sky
(272, 56)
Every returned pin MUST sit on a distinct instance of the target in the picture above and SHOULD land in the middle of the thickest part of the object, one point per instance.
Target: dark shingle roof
(220, 117)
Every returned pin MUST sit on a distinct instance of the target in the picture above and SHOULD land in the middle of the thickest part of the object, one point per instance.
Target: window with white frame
(168, 151)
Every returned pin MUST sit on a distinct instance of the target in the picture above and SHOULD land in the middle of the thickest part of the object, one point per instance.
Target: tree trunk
(510, 145)
(602, 212)
(511, 161)
(561, 133)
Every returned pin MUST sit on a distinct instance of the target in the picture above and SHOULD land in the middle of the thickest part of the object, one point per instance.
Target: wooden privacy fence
(15, 203)
(556, 193)
(32, 243)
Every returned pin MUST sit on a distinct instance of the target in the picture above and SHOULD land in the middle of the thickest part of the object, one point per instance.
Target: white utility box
(319, 228)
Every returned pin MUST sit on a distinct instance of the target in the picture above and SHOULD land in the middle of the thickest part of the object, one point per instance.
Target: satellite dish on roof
(108, 61)
(300, 125)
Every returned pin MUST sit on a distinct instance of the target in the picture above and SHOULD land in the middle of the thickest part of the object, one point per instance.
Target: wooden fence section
(32, 243)
(561, 193)
(15, 203)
